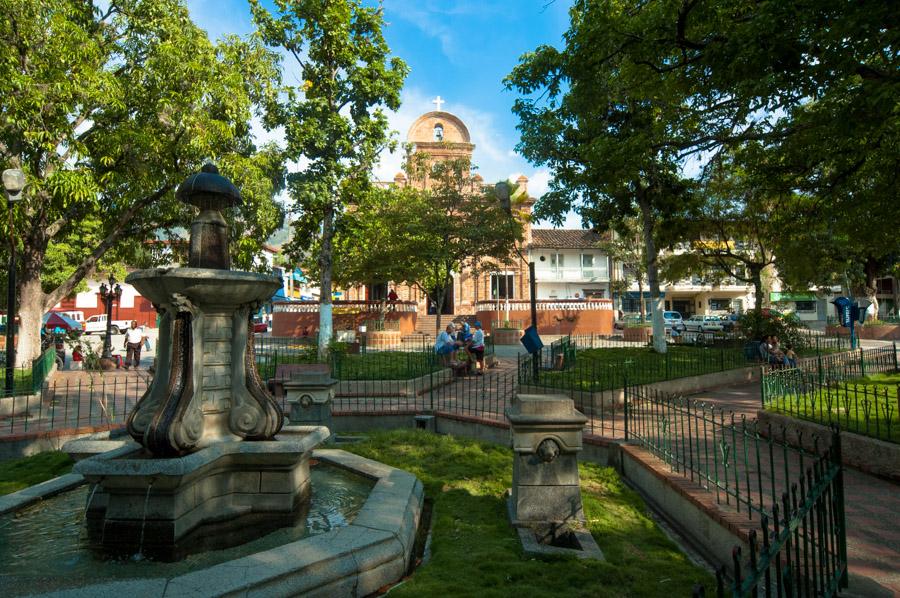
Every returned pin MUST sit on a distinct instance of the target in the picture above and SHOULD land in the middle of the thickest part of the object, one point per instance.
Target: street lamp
(108, 294)
(502, 192)
(13, 184)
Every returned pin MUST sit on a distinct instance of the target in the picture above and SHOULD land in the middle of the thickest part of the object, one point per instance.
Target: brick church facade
(443, 136)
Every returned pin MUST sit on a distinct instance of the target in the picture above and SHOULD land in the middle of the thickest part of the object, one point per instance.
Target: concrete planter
(393, 388)
(637, 334)
(506, 336)
(882, 332)
(383, 339)
(860, 452)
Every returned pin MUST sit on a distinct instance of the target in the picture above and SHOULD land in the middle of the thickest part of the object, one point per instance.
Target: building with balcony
(568, 264)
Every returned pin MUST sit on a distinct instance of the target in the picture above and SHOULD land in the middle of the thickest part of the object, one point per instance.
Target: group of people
(451, 341)
(770, 350)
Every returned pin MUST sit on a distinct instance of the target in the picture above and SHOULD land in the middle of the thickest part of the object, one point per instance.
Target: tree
(335, 121)
(735, 230)
(625, 247)
(421, 237)
(605, 123)
(106, 109)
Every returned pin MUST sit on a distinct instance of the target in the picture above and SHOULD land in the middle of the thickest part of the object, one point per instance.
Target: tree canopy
(107, 107)
(421, 237)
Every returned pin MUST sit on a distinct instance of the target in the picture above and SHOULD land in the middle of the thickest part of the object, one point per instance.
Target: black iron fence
(801, 548)
(91, 401)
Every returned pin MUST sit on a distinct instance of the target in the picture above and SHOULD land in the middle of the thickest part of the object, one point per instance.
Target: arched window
(439, 132)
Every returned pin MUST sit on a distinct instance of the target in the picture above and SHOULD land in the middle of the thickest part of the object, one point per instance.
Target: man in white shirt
(134, 340)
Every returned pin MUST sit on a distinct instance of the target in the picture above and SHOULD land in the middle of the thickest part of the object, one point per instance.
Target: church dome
(438, 127)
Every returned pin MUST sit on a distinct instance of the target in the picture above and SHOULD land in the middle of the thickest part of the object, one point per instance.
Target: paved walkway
(872, 508)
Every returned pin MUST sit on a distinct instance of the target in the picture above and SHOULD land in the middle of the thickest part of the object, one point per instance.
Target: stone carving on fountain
(206, 388)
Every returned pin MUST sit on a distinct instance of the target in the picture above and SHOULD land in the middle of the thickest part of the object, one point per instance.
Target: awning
(783, 297)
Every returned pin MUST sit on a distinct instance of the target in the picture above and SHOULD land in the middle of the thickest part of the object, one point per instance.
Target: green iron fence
(801, 549)
(598, 370)
(29, 378)
(833, 390)
(797, 496)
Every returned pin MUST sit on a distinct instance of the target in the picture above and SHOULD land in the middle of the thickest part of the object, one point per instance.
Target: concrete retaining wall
(32, 443)
(688, 508)
(860, 452)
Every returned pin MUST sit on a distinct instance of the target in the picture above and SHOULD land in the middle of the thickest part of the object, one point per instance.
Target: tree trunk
(641, 306)
(650, 259)
(31, 310)
(756, 275)
(325, 262)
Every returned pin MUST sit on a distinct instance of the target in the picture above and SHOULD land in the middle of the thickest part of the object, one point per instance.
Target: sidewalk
(871, 505)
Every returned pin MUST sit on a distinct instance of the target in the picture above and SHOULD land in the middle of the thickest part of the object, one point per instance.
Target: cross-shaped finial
(437, 102)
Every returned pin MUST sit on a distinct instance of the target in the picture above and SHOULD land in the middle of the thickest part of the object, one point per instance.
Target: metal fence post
(896, 366)
(862, 363)
(625, 405)
(840, 516)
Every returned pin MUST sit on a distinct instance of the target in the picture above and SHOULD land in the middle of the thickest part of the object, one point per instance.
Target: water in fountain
(46, 546)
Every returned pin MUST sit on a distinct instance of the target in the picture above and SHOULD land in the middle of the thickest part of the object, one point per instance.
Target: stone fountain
(203, 455)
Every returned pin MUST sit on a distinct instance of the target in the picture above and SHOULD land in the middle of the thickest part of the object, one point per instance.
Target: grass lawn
(23, 380)
(475, 552)
(383, 365)
(606, 368)
(17, 474)
(868, 406)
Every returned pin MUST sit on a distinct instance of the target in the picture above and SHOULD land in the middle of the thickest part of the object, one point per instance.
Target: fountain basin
(204, 285)
(154, 503)
(374, 550)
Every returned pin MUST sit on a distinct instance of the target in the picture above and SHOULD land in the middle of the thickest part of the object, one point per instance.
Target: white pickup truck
(97, 325)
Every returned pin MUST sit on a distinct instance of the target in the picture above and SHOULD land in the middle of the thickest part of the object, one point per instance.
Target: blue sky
(458, 49)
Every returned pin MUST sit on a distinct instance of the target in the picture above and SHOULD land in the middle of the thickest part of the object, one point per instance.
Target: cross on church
(437, 102)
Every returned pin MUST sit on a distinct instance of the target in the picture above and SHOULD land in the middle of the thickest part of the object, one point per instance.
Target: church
(441, 136)
(572, 274)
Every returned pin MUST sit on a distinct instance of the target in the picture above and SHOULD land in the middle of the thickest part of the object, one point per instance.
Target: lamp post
(501, 190)
(13, 184)
(108, 294)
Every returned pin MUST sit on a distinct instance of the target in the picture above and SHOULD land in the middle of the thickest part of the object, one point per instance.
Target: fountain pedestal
(204, 452)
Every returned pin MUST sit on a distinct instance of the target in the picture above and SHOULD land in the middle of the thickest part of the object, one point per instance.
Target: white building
(568, 264)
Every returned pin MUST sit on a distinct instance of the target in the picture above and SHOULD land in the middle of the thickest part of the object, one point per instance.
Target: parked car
(673, 321)
(729, 322)
(701, 323)
(260, 325)
(97, 325)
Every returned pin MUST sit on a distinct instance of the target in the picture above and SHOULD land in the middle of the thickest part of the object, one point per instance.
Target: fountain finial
(212, 193)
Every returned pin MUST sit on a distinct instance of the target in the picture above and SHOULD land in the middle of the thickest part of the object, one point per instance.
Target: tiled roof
(564, 238)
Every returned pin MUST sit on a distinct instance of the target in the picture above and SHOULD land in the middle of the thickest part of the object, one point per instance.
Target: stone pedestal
(161, 504)
(546, 437)
(310, 395)
(545, 500)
